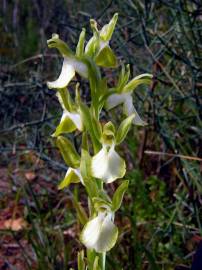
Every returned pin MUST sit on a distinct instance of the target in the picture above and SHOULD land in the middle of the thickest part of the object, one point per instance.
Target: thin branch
(148, 152)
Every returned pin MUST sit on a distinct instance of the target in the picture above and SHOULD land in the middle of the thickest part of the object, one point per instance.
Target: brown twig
(172, 155)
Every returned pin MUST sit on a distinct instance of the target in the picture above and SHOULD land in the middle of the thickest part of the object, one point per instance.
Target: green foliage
(68, 151)
(118, 195)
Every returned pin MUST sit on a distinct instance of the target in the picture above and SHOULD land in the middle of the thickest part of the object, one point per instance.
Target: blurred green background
(160, 221)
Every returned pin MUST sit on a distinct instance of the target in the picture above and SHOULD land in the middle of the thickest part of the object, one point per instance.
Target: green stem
(103, 256)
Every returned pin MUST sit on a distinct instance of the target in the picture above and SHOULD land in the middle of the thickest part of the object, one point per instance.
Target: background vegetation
(161, 218)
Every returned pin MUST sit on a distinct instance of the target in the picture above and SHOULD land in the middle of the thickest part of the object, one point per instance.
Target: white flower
(100, 233)
(108, 165)
(128, 107)
(69, 67)
(72, 176)
(71, 64)
(69, 121)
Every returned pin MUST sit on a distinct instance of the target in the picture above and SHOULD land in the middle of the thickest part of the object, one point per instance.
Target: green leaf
(84, 142)
(85, 169)
(91, 125)
(80, 45)
(124, 128)
(82, 216)
(85, 165)
(69, 154)
(138, 80)
(106, 58)
(97, 128)
(108, 29)
(65, 99)
(80, 260)
(118, 195)
(86, 116)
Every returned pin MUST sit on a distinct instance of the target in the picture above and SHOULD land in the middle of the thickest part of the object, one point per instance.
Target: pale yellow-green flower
(108, 165)
(100, 233)
(71, 64)
(72, 176)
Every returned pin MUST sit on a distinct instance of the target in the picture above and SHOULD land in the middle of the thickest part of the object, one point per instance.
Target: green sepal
(92, 47)
(80, 45)
(103, 195)
(69, 154)
(81, 213)
(109, 128)
(100, 203)
(93, 44)
(108, 133)
(69, 179)
(106, 58)
(138, 80)
(108, 29)
(118, 195)
(80, 260)
(65, 126)
(56, 42)
(96, 264)
(123, 78)
(124, 128)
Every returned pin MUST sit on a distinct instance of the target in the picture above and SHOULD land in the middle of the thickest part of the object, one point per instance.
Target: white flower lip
(108, 165)
(69, 67)
(66, 75)
(100, 233)
(128, 107)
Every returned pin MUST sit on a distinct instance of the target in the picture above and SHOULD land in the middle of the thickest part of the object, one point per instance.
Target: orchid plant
(98, 162)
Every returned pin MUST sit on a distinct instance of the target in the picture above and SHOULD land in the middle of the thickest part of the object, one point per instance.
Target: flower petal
(91, 232)
(67, 73)
(108, 235)
(129, 109)
(108, 165)
(106, 57)
(65, 126)
(79, 67)
(114, 100)
(76, 119)
(72, 176)
(69, 122)
(100, 233)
